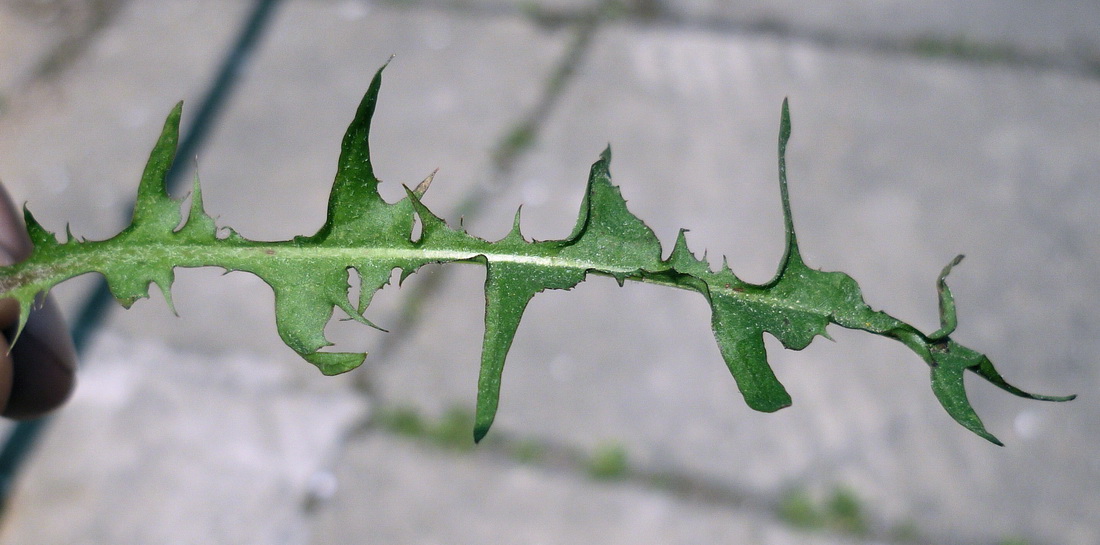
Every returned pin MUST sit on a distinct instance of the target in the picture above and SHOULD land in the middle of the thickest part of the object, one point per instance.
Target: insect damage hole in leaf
(374, 237)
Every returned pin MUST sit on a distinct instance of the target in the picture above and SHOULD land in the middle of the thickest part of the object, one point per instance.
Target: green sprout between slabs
(309, 274)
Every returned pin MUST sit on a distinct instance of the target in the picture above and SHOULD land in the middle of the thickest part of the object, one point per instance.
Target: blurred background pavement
(921, 130)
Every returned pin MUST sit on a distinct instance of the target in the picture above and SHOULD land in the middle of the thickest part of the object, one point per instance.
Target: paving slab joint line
(655, 13)
(450, 434)
(95, 17)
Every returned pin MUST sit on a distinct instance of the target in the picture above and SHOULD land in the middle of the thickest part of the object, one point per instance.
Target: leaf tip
(950, 390)
(24, 315)
(516, 233)
(986, 370)
(166, 292)
(335, 363)
(769, 404)
(480, 431)
(39, 236)
(941, 281)
(784, 124)
(791, 256)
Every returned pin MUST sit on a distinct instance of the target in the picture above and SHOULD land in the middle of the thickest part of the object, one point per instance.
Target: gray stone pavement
(204, 428)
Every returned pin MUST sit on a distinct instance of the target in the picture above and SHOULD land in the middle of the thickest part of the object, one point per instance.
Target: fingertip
(42, 365)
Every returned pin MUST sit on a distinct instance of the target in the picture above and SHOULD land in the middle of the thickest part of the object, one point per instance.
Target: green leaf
(365, 234)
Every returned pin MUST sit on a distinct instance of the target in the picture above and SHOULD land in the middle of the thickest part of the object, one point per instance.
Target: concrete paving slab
(398, 492)
(1057, 35)
(24, 40)
(1062, 29)
(169, 447)
(130, 106)
(39, 38)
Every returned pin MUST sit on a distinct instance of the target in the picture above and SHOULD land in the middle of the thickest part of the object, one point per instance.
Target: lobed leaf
(364, 233)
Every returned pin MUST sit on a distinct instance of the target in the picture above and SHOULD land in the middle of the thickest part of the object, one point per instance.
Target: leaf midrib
(243, 256)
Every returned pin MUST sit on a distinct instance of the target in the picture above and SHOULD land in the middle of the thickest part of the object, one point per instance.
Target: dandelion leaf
(365, 235)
